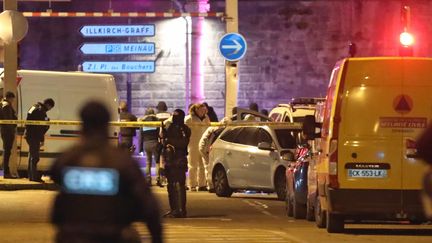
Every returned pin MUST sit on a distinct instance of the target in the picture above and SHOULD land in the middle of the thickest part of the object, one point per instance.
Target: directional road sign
(117, 30)
(232, 46)
(119, 67)
(118, 48)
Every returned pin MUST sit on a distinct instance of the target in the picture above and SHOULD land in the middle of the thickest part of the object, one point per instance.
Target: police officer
(8, 131)
(163, 116)
(176, 139)
(126, 133)
(35, 135)
(100, 203)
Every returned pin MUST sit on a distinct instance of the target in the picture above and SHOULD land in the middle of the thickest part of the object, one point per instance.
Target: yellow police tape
(154, 124)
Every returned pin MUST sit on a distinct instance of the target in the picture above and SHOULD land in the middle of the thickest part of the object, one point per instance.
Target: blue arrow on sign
(117, 30)
(232, 46)
(119, 67)
(147, 48)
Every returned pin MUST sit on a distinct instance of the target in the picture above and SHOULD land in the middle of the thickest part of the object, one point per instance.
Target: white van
(69, 90)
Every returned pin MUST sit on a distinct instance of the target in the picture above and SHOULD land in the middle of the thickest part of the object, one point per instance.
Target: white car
(252, 157)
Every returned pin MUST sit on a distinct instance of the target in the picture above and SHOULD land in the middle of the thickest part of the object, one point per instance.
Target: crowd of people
(151, 141)
(179, 149)
(86, 210)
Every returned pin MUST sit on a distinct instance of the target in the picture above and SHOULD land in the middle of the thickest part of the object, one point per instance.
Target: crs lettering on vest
(90, 181)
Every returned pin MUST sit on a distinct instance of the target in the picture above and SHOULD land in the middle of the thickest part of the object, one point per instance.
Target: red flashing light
(406, 39)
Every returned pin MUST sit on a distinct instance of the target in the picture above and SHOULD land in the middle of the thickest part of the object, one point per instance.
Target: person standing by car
(126, 133)
(176, 139)
(102, 188)
(35, 135)
(197, 121)
(207, 139)
(149, 144)
(7, 112)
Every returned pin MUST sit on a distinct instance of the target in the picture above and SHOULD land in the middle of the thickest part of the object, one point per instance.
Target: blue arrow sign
(117, 30)
(119, 67)
(118, 48)
(232, 46)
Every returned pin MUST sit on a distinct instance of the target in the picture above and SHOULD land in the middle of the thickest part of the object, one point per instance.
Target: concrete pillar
(197, 52)
(10, 74)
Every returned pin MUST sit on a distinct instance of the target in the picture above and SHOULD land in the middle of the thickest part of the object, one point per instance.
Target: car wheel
(320, 217)
(299, 210)
(335, 223)
(310, 216)
(220, 182)
(280, 185)
(288, 204)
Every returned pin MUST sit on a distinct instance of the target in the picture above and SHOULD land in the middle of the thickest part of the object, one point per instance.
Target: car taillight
(333, 163)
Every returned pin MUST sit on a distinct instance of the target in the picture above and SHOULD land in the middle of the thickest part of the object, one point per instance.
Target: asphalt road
(24, 217)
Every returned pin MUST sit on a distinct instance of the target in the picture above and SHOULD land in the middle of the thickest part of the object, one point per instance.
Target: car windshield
(287, 138)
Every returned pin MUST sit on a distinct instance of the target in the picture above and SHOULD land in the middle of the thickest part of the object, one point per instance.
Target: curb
(24, 184)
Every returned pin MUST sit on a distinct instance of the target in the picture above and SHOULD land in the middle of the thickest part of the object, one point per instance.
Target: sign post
(231, 69)
(129, 30)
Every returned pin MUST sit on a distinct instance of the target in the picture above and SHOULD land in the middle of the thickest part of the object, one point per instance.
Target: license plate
(366, 173)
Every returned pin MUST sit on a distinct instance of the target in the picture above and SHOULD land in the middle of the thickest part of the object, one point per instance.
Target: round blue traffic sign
(232, 46)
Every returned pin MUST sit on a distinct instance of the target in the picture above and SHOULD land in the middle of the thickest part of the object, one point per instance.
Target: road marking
(186, 233)
(260, 207)
(208, 218)
(261, 204)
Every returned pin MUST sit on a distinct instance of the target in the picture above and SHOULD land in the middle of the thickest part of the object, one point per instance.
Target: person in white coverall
(197, 121)
(206, 141)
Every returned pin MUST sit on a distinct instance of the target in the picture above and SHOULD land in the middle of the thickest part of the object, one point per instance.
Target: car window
(286, 138)
(231, 135)
(287, 119)
(275, 117)
(263, 136)
(215, 135)
(247, 136)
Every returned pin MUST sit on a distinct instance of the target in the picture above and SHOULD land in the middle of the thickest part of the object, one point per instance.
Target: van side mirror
(309, 126)
(265, 146)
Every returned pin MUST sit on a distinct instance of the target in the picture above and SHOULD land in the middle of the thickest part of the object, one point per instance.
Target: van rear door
(370, 143)
(385, 106)
(415, 106)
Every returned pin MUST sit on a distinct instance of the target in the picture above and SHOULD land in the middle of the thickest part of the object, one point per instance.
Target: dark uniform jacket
(176, 140)
(7, 112)
(104, 214)
(37, 113)
(127, 131)
(150, 133)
